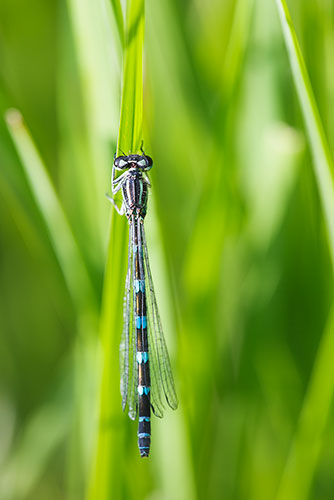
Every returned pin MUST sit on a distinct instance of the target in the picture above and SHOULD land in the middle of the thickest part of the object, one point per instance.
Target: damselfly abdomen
(146, 375)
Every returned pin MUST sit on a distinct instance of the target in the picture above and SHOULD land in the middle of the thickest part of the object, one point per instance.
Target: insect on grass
(146, 375)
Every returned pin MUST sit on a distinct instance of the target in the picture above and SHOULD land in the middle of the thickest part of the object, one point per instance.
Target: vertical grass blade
(131, 123)
(89, 121)
(107, 471)
(308, 440)
(237, 43)
(323, 162)
(118, 13)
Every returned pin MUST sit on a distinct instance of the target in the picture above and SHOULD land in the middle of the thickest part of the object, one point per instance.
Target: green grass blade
(118, 13)
(89, 122)
(307, 444)
(64, 244)
(75, 274)
(323, 162)
(131, 123)
(106, 474)
(237, 43)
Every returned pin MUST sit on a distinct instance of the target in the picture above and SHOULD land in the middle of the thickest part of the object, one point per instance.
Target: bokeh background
(237, 241)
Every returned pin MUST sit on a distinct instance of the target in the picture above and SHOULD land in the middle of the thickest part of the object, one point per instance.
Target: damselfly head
(143, 162)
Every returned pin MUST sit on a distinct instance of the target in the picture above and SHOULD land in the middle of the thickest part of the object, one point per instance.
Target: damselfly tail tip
(144, 443)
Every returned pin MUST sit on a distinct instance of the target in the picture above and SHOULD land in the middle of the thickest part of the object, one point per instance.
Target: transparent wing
(127, 351)
(162, 383)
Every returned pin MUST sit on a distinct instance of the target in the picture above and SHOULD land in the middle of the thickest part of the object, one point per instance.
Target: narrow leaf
(308, 440)
(105, 480)
(117, 8)
(51, 210)
(323, 162)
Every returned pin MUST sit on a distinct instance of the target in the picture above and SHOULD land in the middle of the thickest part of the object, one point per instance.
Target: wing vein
(161, 372)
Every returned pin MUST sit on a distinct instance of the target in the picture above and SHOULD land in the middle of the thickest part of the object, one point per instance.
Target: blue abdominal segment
(143, 389)
(144, 419)
(142, 357)
(139, 286)
(141, 321)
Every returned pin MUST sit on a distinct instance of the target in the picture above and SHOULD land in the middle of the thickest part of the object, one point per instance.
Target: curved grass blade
(51, 210)
(323, 162)
(305, 450)
(71, 263)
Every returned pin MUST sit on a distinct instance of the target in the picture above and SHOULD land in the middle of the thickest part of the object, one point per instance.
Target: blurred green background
(237, 242)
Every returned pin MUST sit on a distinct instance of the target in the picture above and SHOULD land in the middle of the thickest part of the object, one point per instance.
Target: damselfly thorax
(135, 194)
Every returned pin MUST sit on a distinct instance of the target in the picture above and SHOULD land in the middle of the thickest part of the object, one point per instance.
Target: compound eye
(121, 162)
(142, 162)
(149, 163)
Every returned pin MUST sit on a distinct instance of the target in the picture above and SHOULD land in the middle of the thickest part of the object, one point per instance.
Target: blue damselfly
(146, 375)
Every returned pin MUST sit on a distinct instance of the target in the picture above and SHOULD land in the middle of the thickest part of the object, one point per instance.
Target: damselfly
(146, 375)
